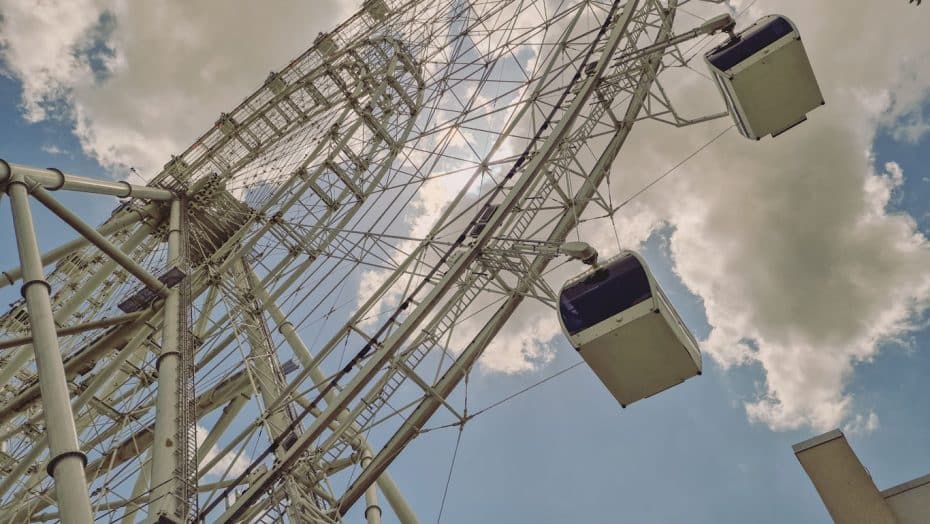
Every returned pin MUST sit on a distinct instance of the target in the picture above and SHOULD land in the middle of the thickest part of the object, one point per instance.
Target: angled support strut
(66, 462)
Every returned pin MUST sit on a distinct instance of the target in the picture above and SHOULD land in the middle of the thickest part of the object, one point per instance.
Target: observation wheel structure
(308, 265)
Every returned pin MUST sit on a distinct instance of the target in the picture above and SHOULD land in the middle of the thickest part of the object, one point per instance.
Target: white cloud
(53, 150)
(38, 42)
(911, 128)
(525, 344)
(141, 80)
(787, 242)
(861, 424)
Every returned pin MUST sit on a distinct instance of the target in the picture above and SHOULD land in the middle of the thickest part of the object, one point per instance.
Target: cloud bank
(139, 81)
(788, 243)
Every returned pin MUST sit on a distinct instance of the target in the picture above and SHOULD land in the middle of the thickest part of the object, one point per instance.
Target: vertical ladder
(187, 423)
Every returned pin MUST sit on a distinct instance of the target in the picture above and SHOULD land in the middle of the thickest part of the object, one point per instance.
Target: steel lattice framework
(313, 278)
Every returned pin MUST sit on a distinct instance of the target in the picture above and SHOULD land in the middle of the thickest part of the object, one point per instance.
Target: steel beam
(264, 369)
(264, 365)
(139, 487)
(54, 179)
(99, 240)
(67, 461)
(392, 343)
(112, 225)
(89, 355)
(414, 422)
(452, 376)
(73, 330)
(220, 426)
(372, 509)
(22, 355)
(89, 287)
(388, 487)
(164, 457)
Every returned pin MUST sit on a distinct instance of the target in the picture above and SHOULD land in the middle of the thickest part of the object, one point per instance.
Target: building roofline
(816, 441)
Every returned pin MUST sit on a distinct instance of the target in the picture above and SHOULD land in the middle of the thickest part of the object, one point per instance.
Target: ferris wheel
(258, 332)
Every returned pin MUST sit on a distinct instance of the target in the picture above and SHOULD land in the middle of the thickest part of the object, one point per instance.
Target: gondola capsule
(626, 330)
(765, 77)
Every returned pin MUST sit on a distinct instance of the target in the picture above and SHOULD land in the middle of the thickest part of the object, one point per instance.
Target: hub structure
(258, 332)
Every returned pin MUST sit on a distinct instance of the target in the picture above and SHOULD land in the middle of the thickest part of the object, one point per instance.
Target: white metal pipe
(286, 328)
(203, 469)
(113, 366)
(99, 379)
(263, 371)
(164, 458)
(26, 462)
(205, 312)
(89, 287)
(453, 375)
(21, 356)
(113, 225)
(99, 240)
(54, 179)
(391, 492)
(133, 503)
(66, 464)
(139, 487)
(263, 376)
(395, 498)
(86, 356)
(12, 366)
(71, 330)
(372, 509)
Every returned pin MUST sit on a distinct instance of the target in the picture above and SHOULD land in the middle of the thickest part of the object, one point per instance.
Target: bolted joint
(165, 355)
(25, 286)
(285, 326)
(18, 178)
(50, 467)
(373, 507)
(61, 179)
(5, 171)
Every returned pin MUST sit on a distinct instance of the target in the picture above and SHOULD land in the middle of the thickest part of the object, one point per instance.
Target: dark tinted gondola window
(749, 44)
(611, 289)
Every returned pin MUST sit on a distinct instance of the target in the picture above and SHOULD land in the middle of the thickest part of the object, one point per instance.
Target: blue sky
(565, 452)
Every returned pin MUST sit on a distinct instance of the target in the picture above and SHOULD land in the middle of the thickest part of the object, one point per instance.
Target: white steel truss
(259, 332)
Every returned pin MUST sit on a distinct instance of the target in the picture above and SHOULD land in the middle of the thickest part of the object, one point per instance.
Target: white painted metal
(66, 463)
(372, 509)
(638, 351)
(99, 240)
(118, 222)
(772, 89)
(165, 456)
(317, 182)
(55, 179)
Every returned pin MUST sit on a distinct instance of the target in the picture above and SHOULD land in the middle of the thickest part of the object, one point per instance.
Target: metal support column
(77, 328)
(164, 451)
(55, 179)
(99, 240)
(395, 498)
(266, 371)
(372, 509)
(150, 211)
(87, 289)
(66, 463)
